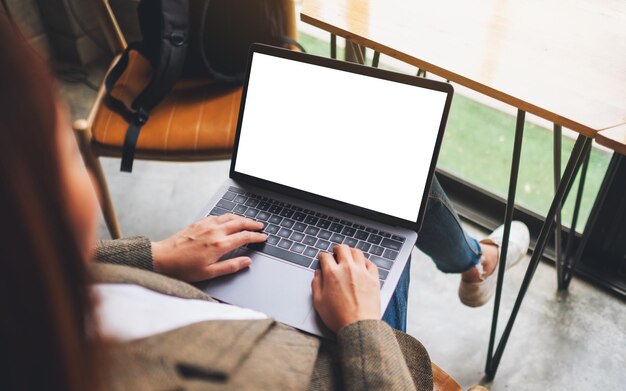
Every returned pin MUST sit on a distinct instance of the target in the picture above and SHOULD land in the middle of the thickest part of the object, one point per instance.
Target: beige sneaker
(475, 294)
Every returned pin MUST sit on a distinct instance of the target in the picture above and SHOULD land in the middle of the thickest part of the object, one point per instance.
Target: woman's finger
(210, 221)
(343, 253)
(227, 266)
(240, 224)
(371, 268)
(357, 256)
(236, 240)
(327, 262)
(226, 217)
(316, 285)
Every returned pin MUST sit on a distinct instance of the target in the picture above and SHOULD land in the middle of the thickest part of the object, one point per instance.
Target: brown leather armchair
(195, 122)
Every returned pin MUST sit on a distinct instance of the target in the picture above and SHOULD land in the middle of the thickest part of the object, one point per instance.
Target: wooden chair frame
(82, 128)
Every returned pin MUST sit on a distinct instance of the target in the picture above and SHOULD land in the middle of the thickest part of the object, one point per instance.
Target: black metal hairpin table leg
(376, 59)
(333, 46)
(508, 217)
(562, 259)
(556, 161)
(568, 262)
(573, 165)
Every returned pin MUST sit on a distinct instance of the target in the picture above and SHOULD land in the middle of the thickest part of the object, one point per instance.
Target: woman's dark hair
(46, 314)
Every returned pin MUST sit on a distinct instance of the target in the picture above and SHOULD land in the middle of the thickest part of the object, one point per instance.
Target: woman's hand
(346, 290)
(193, 253)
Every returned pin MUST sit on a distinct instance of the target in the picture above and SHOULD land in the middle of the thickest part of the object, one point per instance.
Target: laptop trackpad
(271, 286)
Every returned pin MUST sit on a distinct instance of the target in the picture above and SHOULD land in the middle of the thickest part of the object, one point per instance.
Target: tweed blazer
(250, 354)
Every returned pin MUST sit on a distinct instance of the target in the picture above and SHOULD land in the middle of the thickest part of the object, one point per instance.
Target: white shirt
(127, 312)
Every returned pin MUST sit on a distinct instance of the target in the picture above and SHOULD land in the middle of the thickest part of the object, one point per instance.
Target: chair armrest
(82, 132)
(80, 125)
(442, 381)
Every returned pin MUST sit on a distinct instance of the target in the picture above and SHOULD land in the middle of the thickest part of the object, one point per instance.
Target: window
(478, 144)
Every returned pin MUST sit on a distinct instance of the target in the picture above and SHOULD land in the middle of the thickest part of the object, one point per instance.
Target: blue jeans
(444, 240)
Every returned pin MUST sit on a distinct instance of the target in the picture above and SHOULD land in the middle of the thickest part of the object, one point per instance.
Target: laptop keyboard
(298, 235)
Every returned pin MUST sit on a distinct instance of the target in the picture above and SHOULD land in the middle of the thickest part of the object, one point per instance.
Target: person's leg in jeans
(395, 314)
(442, 237)
(444, 240)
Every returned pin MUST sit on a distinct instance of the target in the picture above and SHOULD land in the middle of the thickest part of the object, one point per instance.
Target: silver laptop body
(326, 152)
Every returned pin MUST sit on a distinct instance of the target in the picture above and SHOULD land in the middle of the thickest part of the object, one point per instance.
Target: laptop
(326, 152)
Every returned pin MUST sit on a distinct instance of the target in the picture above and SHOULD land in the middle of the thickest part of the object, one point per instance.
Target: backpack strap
(165, 28)
(171, 41)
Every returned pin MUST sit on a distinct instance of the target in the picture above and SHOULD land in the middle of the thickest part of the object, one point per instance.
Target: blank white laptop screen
(352, 138)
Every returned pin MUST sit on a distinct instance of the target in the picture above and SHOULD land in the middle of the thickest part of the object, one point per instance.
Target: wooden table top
(563, 60)
(614, 138)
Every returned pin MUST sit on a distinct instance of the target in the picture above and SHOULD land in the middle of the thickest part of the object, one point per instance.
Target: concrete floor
(572, 341)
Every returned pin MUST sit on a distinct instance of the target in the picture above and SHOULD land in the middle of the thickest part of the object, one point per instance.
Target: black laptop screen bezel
(358, 69)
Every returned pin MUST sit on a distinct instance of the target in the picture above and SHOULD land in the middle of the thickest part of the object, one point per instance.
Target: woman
(68, 325)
